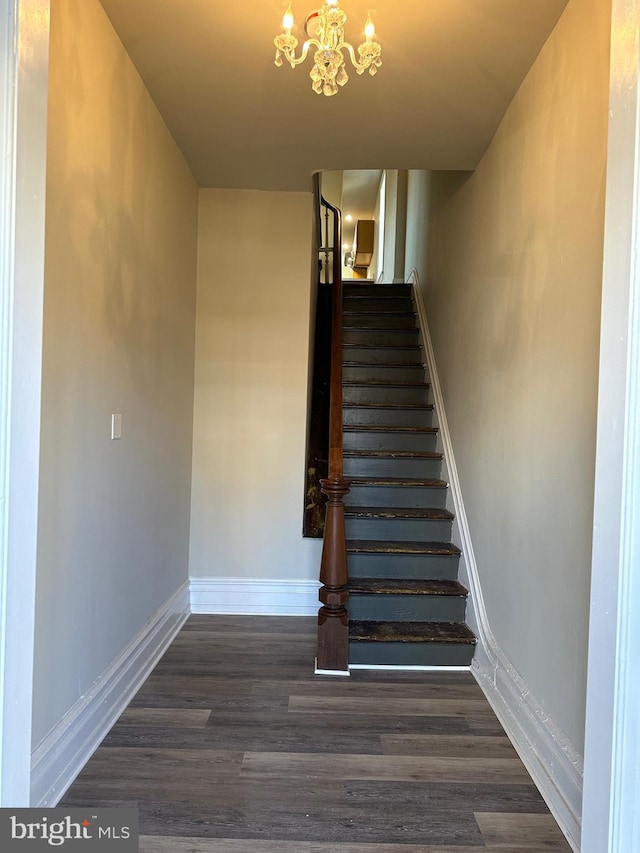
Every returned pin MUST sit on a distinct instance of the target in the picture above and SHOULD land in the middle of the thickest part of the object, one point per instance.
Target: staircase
(406, 605)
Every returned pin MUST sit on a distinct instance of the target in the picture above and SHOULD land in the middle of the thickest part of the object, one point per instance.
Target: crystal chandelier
(325, 31)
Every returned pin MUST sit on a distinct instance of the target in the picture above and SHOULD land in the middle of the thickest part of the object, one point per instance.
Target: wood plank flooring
(233, 746)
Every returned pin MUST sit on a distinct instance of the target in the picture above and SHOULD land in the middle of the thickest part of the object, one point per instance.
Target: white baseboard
(383, 667)
(254, 596)
(550, 758)
(554, 765)
(63, 753)
(341, 673)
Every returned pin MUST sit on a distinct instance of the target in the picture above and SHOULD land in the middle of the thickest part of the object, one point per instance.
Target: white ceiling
(450, 69)
(359, 197)
(360, 188)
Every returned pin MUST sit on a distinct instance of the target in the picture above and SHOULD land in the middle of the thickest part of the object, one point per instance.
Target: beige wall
(375, 267)
(119, 337)
(513, 300)
(252, 344)
(418, 200)
(331, 187)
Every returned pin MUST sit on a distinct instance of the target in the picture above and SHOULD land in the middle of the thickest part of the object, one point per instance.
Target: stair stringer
(551, 759)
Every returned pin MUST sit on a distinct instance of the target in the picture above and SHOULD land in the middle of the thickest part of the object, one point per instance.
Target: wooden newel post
(333, 622)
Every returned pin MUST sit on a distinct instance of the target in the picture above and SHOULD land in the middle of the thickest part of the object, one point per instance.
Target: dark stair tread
(413, 347)
(383, 383)
(383, 428)
(399, 481)
(392, 454)
(368, 296)
(403, 331)
(350, 305)
(398, 364)
(372, 404)
(377, 313)
(377, 546)
(429, 514)
(410, 632)
(394, 586)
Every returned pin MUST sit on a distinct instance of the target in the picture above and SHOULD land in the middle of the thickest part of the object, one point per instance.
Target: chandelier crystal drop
(325, 31)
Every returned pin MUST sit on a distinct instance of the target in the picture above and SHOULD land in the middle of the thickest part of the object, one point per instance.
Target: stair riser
(380, 373)
(390, 441)
(380, 321)
(381, 355)
(418, 497)
(403, 566)
(407, 608)
(383, 304)
(380, 337)
(385, 394)
(376, 290)
(398, 529)
(387, 417)
(410, 654)
(428, 468)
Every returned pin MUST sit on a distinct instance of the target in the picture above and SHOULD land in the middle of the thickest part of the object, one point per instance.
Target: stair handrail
(333, 620)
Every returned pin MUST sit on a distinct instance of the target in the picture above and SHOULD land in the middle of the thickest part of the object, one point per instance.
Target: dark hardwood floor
(234, 746)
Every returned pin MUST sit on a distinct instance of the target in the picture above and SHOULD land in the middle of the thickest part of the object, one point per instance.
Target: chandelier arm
(357, 65)
(293, 61)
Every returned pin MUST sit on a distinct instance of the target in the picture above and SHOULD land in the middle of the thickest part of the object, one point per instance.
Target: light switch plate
(116, 427)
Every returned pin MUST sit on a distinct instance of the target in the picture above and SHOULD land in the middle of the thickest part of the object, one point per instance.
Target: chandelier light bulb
(369, 28)
(287, 21)
(325, 30)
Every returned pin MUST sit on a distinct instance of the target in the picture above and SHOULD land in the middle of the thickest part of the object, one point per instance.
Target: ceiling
(359, 197)
(450, 69)
(361, 189)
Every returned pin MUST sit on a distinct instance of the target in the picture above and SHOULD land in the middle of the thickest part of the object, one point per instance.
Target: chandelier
(325, 31)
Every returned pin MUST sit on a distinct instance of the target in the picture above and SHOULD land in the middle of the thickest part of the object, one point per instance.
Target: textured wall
(119, 337)
(512, 292)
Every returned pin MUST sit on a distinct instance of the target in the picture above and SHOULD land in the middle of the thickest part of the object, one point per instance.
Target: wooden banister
(333, 620)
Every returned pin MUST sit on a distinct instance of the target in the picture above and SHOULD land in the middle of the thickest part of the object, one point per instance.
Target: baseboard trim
(340, 673)
(546, 752)
(254, 596)
(391, 668)
(479, 621)
(66, 749)
(554, 765)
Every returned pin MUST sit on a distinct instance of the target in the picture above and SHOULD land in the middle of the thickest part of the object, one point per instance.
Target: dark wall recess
(318, 418)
